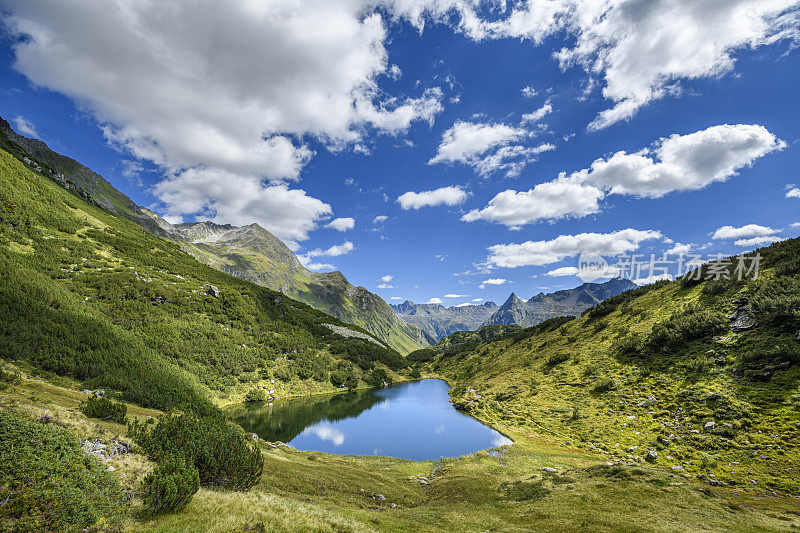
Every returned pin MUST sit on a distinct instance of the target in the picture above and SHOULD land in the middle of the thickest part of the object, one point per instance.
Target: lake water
(410, 420)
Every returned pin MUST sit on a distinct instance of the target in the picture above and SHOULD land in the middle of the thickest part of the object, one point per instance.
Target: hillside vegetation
(88, 295)
(698, 378)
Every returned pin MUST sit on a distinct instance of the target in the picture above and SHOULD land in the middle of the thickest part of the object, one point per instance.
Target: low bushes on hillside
(104, 409)
(690, 324)
(255, 396)
(777, 301)
(220, 453)
(170, 486)
(47, 483)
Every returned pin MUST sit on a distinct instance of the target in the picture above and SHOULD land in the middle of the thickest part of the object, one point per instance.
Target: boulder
(709, 426)
(651, 456)
(213, 291)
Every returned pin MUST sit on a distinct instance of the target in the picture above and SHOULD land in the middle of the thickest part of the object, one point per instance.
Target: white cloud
(225, 90)
(434, 301)
(561, 198)
(492, 281)
(563, 271)
(529, 92)
(387, 278)
(451, 195)
(380, 218)
(541, 253)
(395, 298)
(793, 193)
(796, 224)
(477, 299)
(334, 251)
(465, 304)
(386, 286)
(342, 224)
(487, 147)
(25, 127)
(677, 163)
(456, 295)
(537, 115)
(757, 241)
(320, 266)
(289, 214)
(679, 249)
(652, 279)
(744, 232)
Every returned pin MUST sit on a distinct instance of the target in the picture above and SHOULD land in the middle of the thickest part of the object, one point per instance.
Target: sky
(447, 151)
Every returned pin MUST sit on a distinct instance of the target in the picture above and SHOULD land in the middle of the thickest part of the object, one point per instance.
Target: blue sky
(372, 102)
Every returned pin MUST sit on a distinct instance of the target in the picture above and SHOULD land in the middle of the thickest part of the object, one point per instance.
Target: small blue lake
(409, 420)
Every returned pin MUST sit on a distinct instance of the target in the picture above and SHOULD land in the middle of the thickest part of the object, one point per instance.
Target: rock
(100, 393)
(380, 497)
(709, 426)
(111, 469)
(393, 505)
(651, 456)
(677, 468)
(664, 440)
(549, 469)
(213, 291)
(742, 320)
(255, 437)
(86, 391)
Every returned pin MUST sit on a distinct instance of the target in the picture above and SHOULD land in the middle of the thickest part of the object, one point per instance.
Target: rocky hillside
(569, 302)
(438, 321)
(253, 253)
(248, 252)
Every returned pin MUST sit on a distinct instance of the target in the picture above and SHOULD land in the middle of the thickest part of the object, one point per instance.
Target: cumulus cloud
(539, 253)
(25, 127)
(334, 251)
(677, 163)
(793, 193)
(487, 147)
(492, 281)
(456, 295)
(387, 278)
(320, 266)
(452, 195)
(757, 241)
(386, 286)
(563, 271)
(744, 232)
(434, 301)
(537, 115)
(652, 279)
(679, 249)
(529, 92)
(342, 224)
(228, 90)
(379, 219)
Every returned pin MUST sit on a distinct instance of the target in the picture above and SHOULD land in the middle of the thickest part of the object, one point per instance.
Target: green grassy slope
(650, 370)
(86, 294)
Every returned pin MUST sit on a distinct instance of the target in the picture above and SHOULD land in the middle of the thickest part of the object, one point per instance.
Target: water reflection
(409, 420)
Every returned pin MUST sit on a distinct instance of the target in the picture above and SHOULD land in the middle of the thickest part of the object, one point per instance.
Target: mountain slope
(253, 253)
(438, 321)
(569, 302)
(94, 297)
(248, 252)
(667, 374)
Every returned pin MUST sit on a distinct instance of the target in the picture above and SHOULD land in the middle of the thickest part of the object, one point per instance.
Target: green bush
(557, 358)
(9, 378)
(605, 385)
(777, 301)
(690, 324)
(416, 374)
(170, 486)
(344, 376)
(255, 396)
(104, 409)
(48, 483)
(378, 377)
(220, 453)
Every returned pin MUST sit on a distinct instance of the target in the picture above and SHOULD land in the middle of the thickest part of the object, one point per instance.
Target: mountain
(438, 321)
(569, 302)
(253, 253)
(248, 252)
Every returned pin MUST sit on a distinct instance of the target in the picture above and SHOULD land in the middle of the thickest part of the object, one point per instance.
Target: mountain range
(439, 321)
(248, 252)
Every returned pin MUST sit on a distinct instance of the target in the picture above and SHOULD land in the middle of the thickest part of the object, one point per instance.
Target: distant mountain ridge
(248, 252)
(439, 321)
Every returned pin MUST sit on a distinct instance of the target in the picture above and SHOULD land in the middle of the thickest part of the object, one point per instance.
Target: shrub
(690, 324)
(631, 344)
(344, 376)
(778, 302)
(525, 490)
(104, 409)
(9, 378)
(255, 396)
(170, 486)
(605, 385)
(557, 358)
(378, 377)
(220, 453)
(48, 483)
(415, 374)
